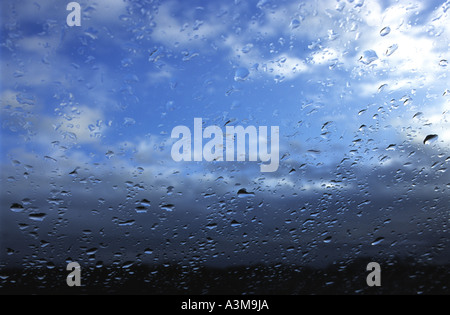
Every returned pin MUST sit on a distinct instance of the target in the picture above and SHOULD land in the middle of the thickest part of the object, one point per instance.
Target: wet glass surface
(359, 90)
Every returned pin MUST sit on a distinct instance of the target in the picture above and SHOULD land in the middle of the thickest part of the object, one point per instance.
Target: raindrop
(361, 112)
(430, 139)
(25, 99)
(235, 223)
(382, 88)
(368, 57)
(126, 62)
(241, 74)
(92, 251)
(16, 207)
(126, 223)
(74, 172)
(127, 121)
(243, 193)
(37, 216)
(392, 49)
(211, 226)
(378, 241)
(391, 147)
(16, 163)
(127, 264)
(247, 48)
(141, 209)
(385, 31)
(340, 6)
(49, 158)
(142, 206)
(145, 203)
(168, 207)
(295, 23)
(109, 154)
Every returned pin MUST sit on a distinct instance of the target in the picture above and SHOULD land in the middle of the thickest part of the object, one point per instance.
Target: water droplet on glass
(25, 99)
(211, 226)
(247, 48)
(235, 223)
(37, 216)
(385, 31)
(295, 23)
(430, 139)
(241, 74)
(392, 49)
(126, 223)
(378, 241)
(127, 264)
(109, 154)
(391, 147)
(127, 121)
(92, 251)
(243, 193)
(16, 207)
(142, 206)
(168, 207)
(382, 88)
(368, 57)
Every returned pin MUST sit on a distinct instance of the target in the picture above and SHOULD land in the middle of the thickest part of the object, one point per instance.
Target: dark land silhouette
(401, 277)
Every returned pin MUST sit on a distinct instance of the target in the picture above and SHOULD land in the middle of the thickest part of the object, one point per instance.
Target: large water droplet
(368, 57)
(16, 207)
(241, 74)
(430, 139)
(142, 206)
(243, 193)
(392, 49)
(37, 216)
(385, 31)
(168, 207)
(391, 147)
(109, 154)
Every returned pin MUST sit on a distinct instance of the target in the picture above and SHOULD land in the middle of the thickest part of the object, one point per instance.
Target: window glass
(164, 144)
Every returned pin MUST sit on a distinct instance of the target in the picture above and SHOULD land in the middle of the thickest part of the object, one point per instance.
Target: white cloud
(183, 31)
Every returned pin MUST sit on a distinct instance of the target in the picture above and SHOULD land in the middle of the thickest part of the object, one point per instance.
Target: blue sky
(87, 114)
